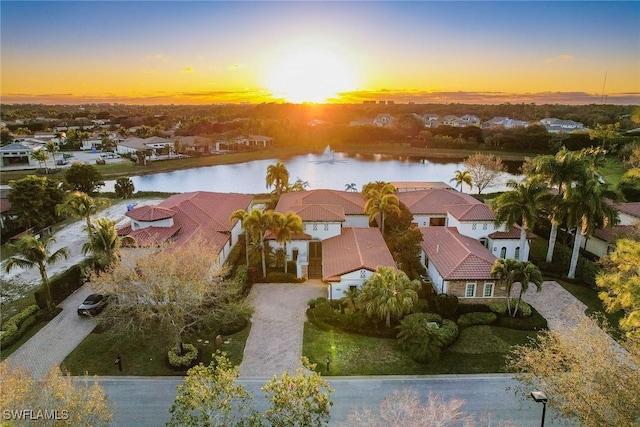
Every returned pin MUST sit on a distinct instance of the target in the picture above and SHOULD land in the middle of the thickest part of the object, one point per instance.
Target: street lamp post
(540, 397)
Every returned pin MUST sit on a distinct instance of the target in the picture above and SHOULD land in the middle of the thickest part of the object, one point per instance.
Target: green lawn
(142, 355)
(480, 349)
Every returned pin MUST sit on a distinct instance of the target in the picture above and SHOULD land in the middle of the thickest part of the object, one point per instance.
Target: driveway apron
(54, 342)
(275, 341)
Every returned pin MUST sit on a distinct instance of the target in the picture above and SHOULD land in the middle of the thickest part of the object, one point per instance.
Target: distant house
(554, 125)
(17, 154)
(258, 141)
(384, 120)
(198, 144)
(459, 265)
(352, 257)
(466, 120)
(603, 241)
(504, 122)
(449, 119)
(155, 145)
(187, 216)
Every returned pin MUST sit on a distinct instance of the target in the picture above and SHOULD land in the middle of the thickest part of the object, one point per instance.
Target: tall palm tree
(350, 296)
(506, 271)
(527, 273)
(81, 205)
(558, 171)
(283, 227)
(104, 243)
(588, 210)
(278, 176)
(389, 292)
(258, 223)
(124, 188)
(381, 201)
(522, 204)
(241, 215)
(462, 177)
(52, 148)
(31, 252)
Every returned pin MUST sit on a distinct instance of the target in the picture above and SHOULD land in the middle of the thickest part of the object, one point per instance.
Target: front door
(315, 260)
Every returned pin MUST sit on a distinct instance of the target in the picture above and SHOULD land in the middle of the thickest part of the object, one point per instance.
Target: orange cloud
(561, 58)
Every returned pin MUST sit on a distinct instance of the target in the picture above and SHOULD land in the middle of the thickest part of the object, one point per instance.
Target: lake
(328, 170)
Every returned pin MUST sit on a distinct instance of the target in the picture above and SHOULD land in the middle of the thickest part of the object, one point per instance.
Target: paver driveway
(54, 342)
(275, 341)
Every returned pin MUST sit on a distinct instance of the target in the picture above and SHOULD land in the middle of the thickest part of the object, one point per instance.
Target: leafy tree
(620, 282)
(405, 246)
(84, 403)
(388, 293)
(521, 204)
(104, 243)
(124, 188)
(629, 185)
(585, 374)
(419, 338)
(588, 210)
(29, 251)
(404, 408)
(173, 288)
(528, 273)
(210, 396)
(381, 201)
(41, 157)
(278, 177)
(484, 169)
(301, 400)
(606, 132)
(34, 200)
(85, 178)
(462, 177)
(298, 185)
(283, 227)
(80, 205)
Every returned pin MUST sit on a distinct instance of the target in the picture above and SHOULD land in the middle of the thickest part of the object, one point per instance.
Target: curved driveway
(275, 341)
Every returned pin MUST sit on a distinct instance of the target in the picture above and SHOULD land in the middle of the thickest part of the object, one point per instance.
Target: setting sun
(310, 75)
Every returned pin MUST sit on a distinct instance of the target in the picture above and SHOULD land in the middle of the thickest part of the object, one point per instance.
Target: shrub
(473, 308)
(446, 305)
(232, 317)
(421, 306)
(448, 333)
(524, 310)
(478, 318)
(419, 339)
(278, 277)
(535, 322)
(186, 360)
(17, 325)
(312, 303)
(500, 308)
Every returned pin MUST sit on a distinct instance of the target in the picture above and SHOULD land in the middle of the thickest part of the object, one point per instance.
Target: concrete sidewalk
(275, 341)
(54, 342)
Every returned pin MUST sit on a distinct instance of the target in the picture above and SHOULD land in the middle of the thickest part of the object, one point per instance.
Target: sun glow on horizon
(310, 74)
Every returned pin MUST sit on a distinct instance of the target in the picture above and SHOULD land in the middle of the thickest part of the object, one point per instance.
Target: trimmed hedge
(14, 328)
(465, 308)
(448, 332)
(329, 316)
(278, 277)
(500, 308)
(446, 305)
(186, 360)
(62, 285)
(477, 318)
(535, 322)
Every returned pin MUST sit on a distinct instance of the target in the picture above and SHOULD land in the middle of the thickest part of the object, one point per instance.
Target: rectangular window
(488, 290)
(470, 291)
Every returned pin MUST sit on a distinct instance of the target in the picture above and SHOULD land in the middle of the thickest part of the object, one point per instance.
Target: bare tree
(485, 170)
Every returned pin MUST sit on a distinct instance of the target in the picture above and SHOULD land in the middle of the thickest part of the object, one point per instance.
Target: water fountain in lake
(328, 156)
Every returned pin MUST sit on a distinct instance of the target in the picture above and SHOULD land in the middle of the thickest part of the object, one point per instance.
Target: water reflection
(249, 177)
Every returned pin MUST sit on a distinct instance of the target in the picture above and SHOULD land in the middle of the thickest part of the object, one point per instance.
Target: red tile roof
(456, 257)
(355, 248)
(149, 213)
(514, 233)
(199, 214)
(632, 209)
(611, 234)
(475, 212)
(319, 212)
(351, 203)
(434, 201)
(5, 205)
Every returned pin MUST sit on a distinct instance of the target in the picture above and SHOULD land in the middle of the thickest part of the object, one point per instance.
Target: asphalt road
(146, 401)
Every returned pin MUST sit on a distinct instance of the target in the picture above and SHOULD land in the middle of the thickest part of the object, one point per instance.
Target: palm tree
(462, 177)
(124, 188)
(350, 296)
(41, 157)
(526, 274)
(81, 205)
(560, 170)
(381, 201)
(283, 226)
(104, 243)
(588, 210)
(241, 215)
(418, 338)
(506, 270)
(52, 148)
(278, 176)
(388, 292)
(258, 223)
(351, 187)
(522, 204)
(31, 252)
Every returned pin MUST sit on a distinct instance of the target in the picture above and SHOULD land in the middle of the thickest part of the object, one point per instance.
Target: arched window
(503, 252)
(517, 255)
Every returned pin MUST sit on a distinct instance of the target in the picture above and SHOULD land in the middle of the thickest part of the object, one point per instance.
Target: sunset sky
(216, 52)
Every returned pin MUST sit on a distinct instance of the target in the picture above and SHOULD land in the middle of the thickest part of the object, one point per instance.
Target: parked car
(92, 305)
(62, 162)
